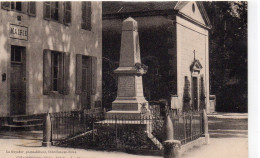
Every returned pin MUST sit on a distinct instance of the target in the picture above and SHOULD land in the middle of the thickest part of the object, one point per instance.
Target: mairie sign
(18, 32)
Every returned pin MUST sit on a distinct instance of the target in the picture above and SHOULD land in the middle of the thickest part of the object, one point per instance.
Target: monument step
(124, 111)
(154, 140)
(123, 114)
(128, 122)
(125, 107)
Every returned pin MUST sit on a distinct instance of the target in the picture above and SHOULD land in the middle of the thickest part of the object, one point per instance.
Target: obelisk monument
(130, 101)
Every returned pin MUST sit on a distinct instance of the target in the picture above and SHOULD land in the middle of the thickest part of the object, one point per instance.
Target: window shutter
(89, 12)
(47, 10)
(6, 5)
(66, 73)
(60, 11)
(24, 7)
(32, 8)
(67, 12)
(46, 72)
(78, 73)
(84, 11)
(86, 15)
(94, 75)
(60, 73)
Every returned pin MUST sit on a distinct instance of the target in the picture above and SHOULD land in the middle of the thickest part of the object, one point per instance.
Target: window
(86, 16)
(82, 64)
(53, 11)
(22, 7)
(85, 72)
(67, 12)
(16, 6)
(32, 8)
(193, 7)
(16, 54)
(55, 72)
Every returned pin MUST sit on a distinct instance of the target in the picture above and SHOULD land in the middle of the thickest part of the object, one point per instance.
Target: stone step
(7, 127)
(123, 114)
(26, 117)
(27, 122)
(154, 140)
(22, 122)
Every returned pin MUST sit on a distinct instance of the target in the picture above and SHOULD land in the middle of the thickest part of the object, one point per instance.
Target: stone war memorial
(130, 101)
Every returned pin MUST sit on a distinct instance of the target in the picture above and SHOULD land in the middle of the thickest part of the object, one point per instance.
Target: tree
(228, 54)
(202, 93)
(186, 95)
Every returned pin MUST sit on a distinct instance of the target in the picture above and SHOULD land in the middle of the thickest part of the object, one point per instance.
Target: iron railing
(122, 133)
(68, 124)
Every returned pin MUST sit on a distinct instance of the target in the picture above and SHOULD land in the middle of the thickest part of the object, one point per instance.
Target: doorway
(86, 83)
(18, 81)
(195, 93)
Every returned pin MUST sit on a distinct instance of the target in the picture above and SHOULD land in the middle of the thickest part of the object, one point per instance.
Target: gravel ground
(229, 139)
(221, 148)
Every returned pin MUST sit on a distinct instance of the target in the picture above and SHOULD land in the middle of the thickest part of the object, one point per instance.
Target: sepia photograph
(130, 79)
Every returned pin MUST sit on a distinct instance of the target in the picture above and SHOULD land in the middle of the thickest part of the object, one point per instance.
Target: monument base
(128, 108)
(133, 115)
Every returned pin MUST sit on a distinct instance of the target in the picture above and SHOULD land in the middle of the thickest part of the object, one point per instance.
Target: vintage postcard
(93, 79)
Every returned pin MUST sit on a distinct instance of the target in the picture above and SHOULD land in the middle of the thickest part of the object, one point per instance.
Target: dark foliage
(228, 54)
(202, 93)
(186, 95)
(109, 82)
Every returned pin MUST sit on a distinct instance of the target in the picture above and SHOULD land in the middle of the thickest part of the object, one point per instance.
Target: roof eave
(139, 14)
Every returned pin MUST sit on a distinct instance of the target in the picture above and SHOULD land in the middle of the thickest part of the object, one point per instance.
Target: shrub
(186, 95)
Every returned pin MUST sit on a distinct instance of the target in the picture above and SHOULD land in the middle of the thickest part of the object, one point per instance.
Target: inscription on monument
(139, 86)
(126, 86)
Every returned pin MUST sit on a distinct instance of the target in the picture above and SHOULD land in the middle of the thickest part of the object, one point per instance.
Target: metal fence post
(191, 127)
(73, 125)
(116, 130)
(184, 127)
(92, 119)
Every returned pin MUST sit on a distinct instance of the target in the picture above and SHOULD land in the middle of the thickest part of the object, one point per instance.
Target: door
(86, 83)
(195, 92)
(17, 81)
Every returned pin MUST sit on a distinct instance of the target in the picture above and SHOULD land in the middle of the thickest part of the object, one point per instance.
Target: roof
(196, 65)
(130, 7)
(119, 8)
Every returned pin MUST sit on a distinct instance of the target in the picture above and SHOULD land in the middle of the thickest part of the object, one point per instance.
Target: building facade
(50, 57)
(174, 45)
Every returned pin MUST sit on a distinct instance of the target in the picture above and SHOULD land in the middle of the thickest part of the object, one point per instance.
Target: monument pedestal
(130, 101)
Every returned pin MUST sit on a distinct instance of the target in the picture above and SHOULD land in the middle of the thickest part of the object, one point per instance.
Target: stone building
(50, 57)
(173, 43)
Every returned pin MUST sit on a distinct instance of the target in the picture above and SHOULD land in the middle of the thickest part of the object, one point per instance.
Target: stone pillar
(130, 99)
(46, 142)
(206, 126)
(169, 131)
(172, 148)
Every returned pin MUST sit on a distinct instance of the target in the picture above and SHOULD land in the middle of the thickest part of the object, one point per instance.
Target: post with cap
(46, 142)
(206, 126)
(171, 147)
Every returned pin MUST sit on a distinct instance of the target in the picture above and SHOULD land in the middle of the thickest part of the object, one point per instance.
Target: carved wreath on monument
(144, 110)
(141, 68)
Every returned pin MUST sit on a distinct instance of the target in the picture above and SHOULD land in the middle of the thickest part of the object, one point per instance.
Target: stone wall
(191, 37)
